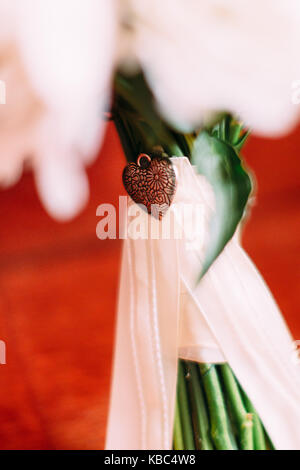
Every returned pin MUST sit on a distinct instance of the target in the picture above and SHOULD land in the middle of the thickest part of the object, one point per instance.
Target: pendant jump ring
(143, 160)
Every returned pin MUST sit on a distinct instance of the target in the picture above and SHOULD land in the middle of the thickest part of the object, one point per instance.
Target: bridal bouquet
(188, 291)
(202, 355)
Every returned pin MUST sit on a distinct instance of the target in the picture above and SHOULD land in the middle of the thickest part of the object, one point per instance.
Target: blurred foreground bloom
(199, 57)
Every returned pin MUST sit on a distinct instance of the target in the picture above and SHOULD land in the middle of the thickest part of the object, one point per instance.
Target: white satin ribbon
(229, 316)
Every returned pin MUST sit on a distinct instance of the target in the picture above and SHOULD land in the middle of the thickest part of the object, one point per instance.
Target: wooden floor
(58, 286)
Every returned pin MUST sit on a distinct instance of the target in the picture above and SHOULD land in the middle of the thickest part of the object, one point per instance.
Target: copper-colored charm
(151, 182)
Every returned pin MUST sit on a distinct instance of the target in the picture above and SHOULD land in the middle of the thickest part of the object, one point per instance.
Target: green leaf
(239, 144)
(221, 165)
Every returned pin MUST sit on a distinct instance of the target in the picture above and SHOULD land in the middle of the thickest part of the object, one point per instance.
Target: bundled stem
(178, 437)
(243, 419)
(213, 412)
(258, 430)
(200, 418)
(185, 412)
(218, 414)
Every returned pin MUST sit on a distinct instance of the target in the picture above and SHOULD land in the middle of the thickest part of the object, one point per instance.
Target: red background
(58, 286)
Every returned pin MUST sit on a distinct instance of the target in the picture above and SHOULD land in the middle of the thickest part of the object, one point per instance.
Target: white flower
(199, 56)
(210, 55)
(60, 56)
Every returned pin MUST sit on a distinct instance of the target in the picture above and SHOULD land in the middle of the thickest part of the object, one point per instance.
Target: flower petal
(211, 55)
(68, 49)
(67, 55)
(60, 177)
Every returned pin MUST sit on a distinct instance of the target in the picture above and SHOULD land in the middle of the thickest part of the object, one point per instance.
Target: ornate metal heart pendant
(151, 182)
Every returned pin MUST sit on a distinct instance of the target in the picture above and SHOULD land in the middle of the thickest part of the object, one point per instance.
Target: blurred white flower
(57, 58)
(202, 56)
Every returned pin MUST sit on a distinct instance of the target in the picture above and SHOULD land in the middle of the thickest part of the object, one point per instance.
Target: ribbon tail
(143, 391)
(254, 338)
(125, 428)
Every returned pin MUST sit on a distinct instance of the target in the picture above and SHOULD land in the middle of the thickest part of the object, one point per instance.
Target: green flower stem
(178, 438)
(185, 413)
(243, 419)
(127, 143)
(134, 106)
(258, 430)
(199, 414)
(218, 415)
(269, 443)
